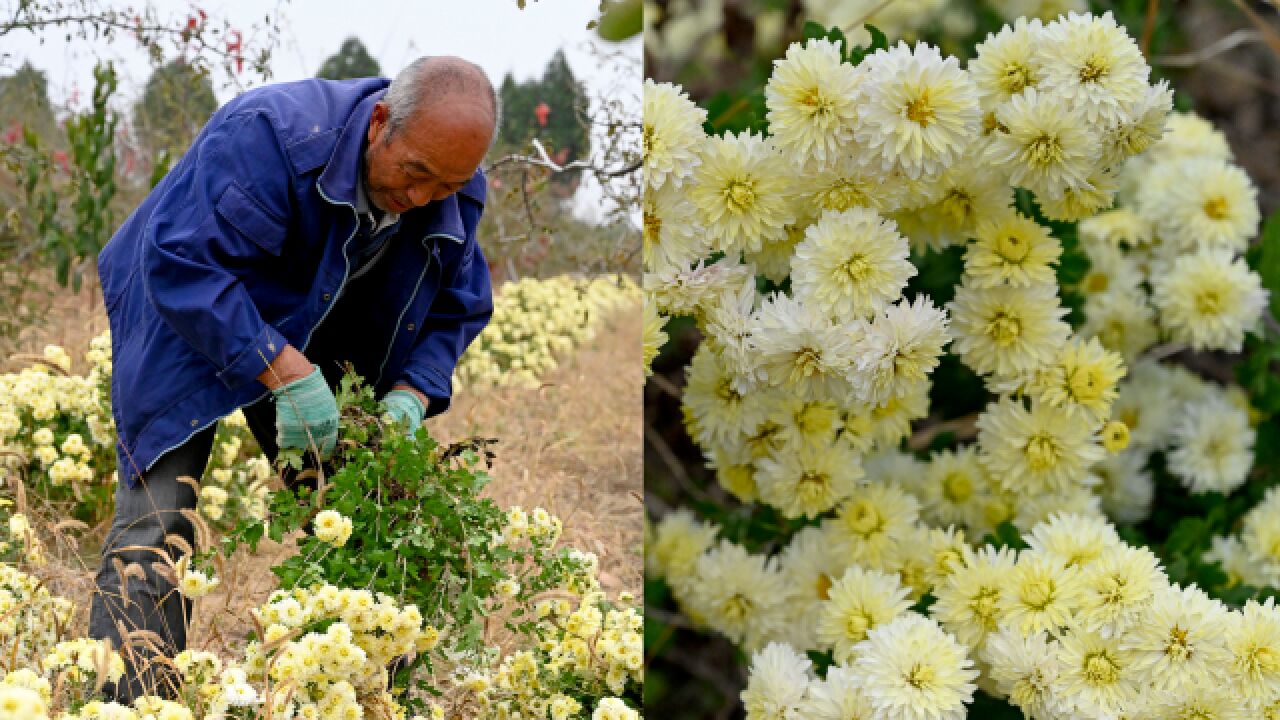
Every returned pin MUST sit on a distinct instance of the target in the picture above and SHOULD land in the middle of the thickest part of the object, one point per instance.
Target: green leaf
(1265, 259)
(621, 19)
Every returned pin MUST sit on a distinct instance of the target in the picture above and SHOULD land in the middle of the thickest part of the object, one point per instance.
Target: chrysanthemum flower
(1209, 203)
(720, 411)
(919, 111)
(810, 565)
(1093, 64)
(1024, 668)
(1254, 558)
(1253, 639)
(1039, 593)
(1006, 63)
(738, 594)
(1209, 300)
(1125, 486)
(1118, 588)
(777, 682)
(1013, 249)
(1142, 126)
(837, 697)
(1099, 677)
(1082, 380)
(672, 134)
(741, 192)
(679, 539)
(1121, 321)
(1212, 447)
(851, 264)
(671, 232)
(895, 352)
(1042, 144)
(954, 486)
(684, 291)
(1076, 540)
(801, 349)
(859, 601)
(807, 484)
(1180, 641)
(654, 337)
(812, 102)
(968, 601)
(915, 671)
(870, 522)
(1070, 204)
(1037, 449)
(1007, 330)
(969, 193)
(843, 185)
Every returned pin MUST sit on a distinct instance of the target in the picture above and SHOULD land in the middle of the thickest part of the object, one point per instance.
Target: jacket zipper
(433, 255)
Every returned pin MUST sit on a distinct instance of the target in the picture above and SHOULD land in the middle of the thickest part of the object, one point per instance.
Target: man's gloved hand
(306, 404)
(405, 408)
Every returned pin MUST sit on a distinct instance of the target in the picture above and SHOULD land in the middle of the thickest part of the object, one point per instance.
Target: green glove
(405, 408)
(306, 404)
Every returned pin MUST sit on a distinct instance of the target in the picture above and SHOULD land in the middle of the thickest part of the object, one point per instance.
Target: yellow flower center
(1044, 150)
(1094, 70)
(957, 206)
(762, 442)
(1013, 248)
(1042, 452)
(740, 195)
(1178, 648)
(858, 268)
(856, 625)
(647, 137)
(652, 228)
(1217, 208)
(957, 487)
(819, 105)
(1085, 384)
(921, 676)
(812, 487)
(1004, 328)
(919, 111)
(862, 518)
(1208, 302)
(1096, 282)
(1038, 593)
(736, 608)
(725, 392)
(842, 195)
(824, 586)
(984, 606)
(1100, 668)
(806, 362)
(1015, 78)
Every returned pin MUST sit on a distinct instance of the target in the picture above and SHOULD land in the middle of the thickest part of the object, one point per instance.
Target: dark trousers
(143, 603)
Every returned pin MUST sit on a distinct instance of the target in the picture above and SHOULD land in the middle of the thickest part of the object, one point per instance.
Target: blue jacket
(245, 246)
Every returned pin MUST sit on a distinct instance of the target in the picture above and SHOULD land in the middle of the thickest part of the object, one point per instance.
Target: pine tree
(352, 61)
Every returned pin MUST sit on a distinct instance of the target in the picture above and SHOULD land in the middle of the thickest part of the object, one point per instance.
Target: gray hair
(426, 81)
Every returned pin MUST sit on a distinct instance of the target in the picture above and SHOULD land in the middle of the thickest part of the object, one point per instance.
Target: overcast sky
(495, 34)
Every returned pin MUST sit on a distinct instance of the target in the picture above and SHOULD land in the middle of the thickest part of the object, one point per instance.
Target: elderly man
(310, 223)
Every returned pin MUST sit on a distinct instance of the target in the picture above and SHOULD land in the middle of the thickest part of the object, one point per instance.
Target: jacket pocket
(251, 219)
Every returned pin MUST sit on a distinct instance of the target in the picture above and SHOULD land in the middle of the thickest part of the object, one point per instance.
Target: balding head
(442, 81)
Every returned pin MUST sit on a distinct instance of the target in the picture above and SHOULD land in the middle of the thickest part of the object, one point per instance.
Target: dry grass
(572, 446)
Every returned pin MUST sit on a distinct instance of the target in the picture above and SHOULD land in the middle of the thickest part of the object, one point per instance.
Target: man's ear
(378, 121)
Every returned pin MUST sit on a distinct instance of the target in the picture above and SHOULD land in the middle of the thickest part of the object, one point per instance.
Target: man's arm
(227, 213)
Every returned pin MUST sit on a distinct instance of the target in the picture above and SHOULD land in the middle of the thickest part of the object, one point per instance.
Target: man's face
(430, 157)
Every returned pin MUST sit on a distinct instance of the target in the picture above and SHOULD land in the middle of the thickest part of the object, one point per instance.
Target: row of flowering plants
(961, 342)
(409, 596)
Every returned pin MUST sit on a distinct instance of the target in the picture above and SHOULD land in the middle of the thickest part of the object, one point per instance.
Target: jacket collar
(340, 180)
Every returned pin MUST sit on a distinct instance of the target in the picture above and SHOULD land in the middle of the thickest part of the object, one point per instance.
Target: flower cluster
(588, 658)
(1075, 223)
(32, 619)
(536, 324)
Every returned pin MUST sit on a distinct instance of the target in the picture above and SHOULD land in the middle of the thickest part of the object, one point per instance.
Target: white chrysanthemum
(1099, 677)
(810, 483)
(1110, 270)
(679, 539)
(919, 111)
(1121, 321)
(969, 194)
(968, 601)
(859, 601)
(1024, 669)
(1145, 404)
(1013, 249)
(1254, 558)
(1253, 639)
(1006, 63)
(1092, 63)
(1042, 144)
(1007, 330)
(1041, 507)
(1070, 204)
(1210, 203)
(1142, 126)
(838, 697)
(727, 324)
(1209, 300)
(1181, 639)
(801, 349)
(737, 593)
(1116, 228)
(1039, 593)
(1212, 447)
(672, 134)
(741, 192)
(777, 682)
(719, 411)
(851, 264)
(1076, 540)
(1082, 380)
(1118, 588)
(812, 102)
(843, 185)
(1125, 486)
(895, 353)
(810, 564)
(870, 522)
(684, 291)
(1037, 449)
(671, 233)
(955, 486)
(1189, 135)
(1201, 701)
(915, 671)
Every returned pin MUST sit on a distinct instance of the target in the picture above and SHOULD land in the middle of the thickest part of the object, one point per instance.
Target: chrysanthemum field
(963, 397)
